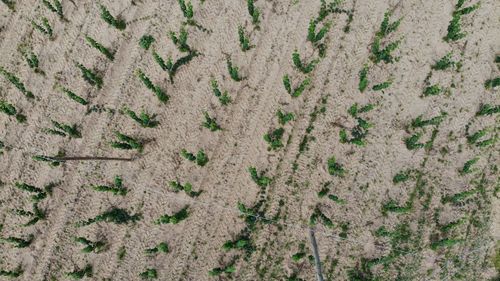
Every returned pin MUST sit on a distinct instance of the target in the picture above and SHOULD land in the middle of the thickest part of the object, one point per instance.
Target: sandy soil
(298, 175)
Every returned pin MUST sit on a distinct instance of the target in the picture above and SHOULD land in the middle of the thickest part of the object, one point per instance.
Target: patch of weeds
(302, 66)
(298, 90)
(126, 142)
(228, 269)
(360, 131)
(180, 40)
(170, 67)
(105, 51)
(488, 109)
(284, 118)
(382, 86)
(114, 215)
(335, 168)
(17, 242)
(244, 39)
(201, 158)
(187, 187)
(78, 274)
(224, 98)
(445, 243)
(39, 195)
(444, 63)
(318, 214)
(432, 90)
(458, 197)
(16, 82)
(160, 94)
(160, 248)
(16, 272)
(210, 123)
(149, 273)
(146, 41)
(315, 37)
(261, 180)
(363, 78)
(117, 188)
(91, 246)
(44, 27)
(492, 83)
(55, 7)
(117, 22)
(90, 76)
(144, 119)
(73, 96)
(63, 130)
(233, 71)
(174, 218)
(274, 138)
(467, 168)
(10, 110)
(52, 161)
(12, 6)
(254, 12)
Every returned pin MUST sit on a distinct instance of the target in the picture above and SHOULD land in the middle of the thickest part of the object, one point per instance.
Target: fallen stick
(317, 261)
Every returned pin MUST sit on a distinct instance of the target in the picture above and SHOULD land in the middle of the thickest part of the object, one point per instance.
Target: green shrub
(458, 197)
(78, 274)
(31, 59)
(18, 242)
(386, 27)
(454, 29)
(317, 214)
(210, 123)
(170, 67)
(144, 119)
(224, 98)
(187, 187)
(53, 161)
(12, 6)
(36, 215)
(91, 246)
(314, 37)
(335, 168)
(175, 218)
(201, 158)
(412, 142)
(90, 76)
(113, 215)
(488, 109)
(146, 41)
(253, 11)
(297, 91)
(363, 78)
(126, 142)
(187, 9)
(39, 195)
(56, 7)
(298, 256)
(188, 155)
(444, 63)
(160, 248)
(11, 273)
(434, 121)
(180, 40)
(355, 110)
(233, 71)
(447, 242)
(44, 27)
(261, 180)
(10, 110)
(284, 118)
(401, 176)
(64, 130)
(160, 94)
(394, 207)
(105, 51)
(492, 83)
(274, 138)
(118, 23)
(432, 90)
(385, 54)
(117, 188)
(446, 228)
(228, 269)
(244, 39)
(303, 67)
(16, 82)
(73, 96)
(382, 86)
(467, 168)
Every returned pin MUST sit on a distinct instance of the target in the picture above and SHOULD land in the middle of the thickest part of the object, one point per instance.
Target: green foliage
(160, 248)
(488, 109)
(187, 9)
(224, 98)
(144, 119)
(261, 180)
(113, 215)
(298, 256)
(274, 138)
(180, 40)
(16, 82)
(210, 123)
(64, 130)
(146, 41)
(31, 59)
(78, 274)
(384, 54)
(117, 188)
(394, 207)
(434, 121)
(445, 243)
(363, 78)
(105, 51)
(458, 197)
(253, 11)
(386, 27)
(126, 142)
(228, 269)
(233, 71)
(382, 86)
(284, 118)
(335, 168)
(336, 199)
(91, 246)
(175, 218)
(90, 76)
(18, 242)
(55, 7)
(201, 158)
(355, 110)
(318, 214)
(53, 161)
(412, 142)
(12, 273)
(313, 36)
(36, 215)
(297, 91)
(12, 6)
(301, 66)
(444, 63)
(187, 187)
(162, 96)
(74, 96)
(121, 253)
(454, 28)
(39, 195)
(446, 228)
(492, 83)
(467, 168)
(44, 27)
(244, 39)
(474, 139)
(401, 176)
(10, 110)
(118, 23)
(240, 243)
(360, 131)
(170, 67)
(432, 90)
(188, 155)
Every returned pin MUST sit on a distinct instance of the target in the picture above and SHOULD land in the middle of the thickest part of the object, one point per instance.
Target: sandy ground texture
(382, 207)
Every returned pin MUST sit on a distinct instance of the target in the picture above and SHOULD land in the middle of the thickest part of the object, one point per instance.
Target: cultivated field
(201, 139)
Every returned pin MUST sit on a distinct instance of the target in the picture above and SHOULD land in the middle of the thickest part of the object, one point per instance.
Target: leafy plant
(335, 168)
(382, 86)
(118, 23)
(363, 78)
(55, 7)
(16, 82)
(274, 138)
(297, 91)
(117, 188)
(78, 274)
(64, 130)
(180, 40)
(170, 67)
(488, 109)
(105, 51)
(458, 197)
(162, 96)
(187, 9)
(253, 11)
(53, 161)
(233, 71)
(144, 119)
(40, 194)
(228, 269)
(386, 27)
(210, 123)
(36, 215)
(412, 142)
(454, 29)
(31, 59)
(384, 54)
(187, 187)
(261, 180)
(336, 199)
(419, 122)
(90, 76)
(492, 83)
(44, 27)
(318, 214)
(12, 6)
(12, 273)
(224, 98)
(284, 118)
(91, 246)
(401, 176)
(244, 39)
(160, 248)
(126, 142)
(432, 90)
(10, 110)
(73, 96)
(18, 242)
(444, 63)
(313, 36)
(303, 67)
(201, 158)
(175, 218)
(447, 242)
(467, 168)
(146, 41)
(113, 215)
